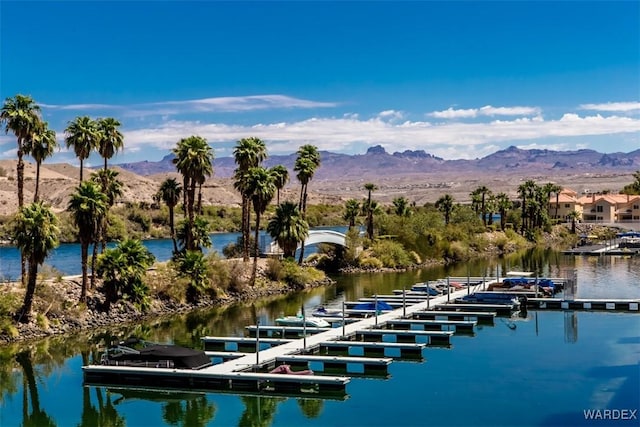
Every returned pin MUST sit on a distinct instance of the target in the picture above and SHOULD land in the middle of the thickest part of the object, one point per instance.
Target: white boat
(300, 321)
(324, 312)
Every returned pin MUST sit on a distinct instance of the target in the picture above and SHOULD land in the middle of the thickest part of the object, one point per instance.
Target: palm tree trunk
(84, 254)
(304, 216)
(557, 203)
(255, 253)
(25, 311)
(245, 228)
(173, 230)
(94, 255)
(81, 169)
(20, 175)
(35, 195)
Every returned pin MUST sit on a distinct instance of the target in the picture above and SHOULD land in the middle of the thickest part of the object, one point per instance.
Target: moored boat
(140, 353)
(302, 321)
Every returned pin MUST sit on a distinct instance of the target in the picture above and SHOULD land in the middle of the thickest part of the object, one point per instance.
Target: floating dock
(628, 305)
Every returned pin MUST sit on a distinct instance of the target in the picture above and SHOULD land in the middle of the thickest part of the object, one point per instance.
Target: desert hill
(419, 176)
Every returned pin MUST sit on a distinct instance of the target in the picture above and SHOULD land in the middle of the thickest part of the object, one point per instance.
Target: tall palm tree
(401, 206)
(306, 165)
(169, 193)
(88, 206)
(110, 138)
(370, 187)
(21, 115)
(445, 205)
(262, 189)
(41, 146)
(573, 216)
(281, 178)
(83, 135)
(248, 153)
(288, 228)
(194, 160)
(482, 192)
(36, 234)
(503, 205)
(526, 192)
(351, 211)
(111, 186)
(552, 188)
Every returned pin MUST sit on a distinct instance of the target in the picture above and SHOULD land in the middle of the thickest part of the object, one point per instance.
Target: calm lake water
(546, 372)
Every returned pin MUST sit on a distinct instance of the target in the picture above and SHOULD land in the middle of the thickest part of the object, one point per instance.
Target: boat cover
(182, 357)
(382, 306)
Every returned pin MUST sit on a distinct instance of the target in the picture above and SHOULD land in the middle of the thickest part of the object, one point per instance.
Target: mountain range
(377, 162)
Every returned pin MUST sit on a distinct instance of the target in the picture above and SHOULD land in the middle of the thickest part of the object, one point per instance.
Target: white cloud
(468, 140)
(204, 105)
(391, 115)
(612, 106)
(487, 110)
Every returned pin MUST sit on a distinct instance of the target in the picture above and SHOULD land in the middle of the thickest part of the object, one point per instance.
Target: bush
(291, 273)
(391, 254)
(371, 263)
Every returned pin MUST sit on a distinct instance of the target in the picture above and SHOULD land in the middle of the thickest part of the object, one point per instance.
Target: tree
(248, 153)
(288, 228)
(194, 160)
(634, 187)
(573, 216)
(199, 234)
(445, 205)
(36, 234)
(262, 189)
(83, 135)
(110, 138)
(21, 115)
(123, 269)
(111, 186)
(281, 178)
(549, 188)
(401, 206)
(503, 203)
(526, 191)
(482, 193)
(351, 211)
(306, 165)
(88, 206)
(41, 146)
(368, 208)
(169, 193)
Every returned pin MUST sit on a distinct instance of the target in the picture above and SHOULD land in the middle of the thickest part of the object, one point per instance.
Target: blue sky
(456, 79)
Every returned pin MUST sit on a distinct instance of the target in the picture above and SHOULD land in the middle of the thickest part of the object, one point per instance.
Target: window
(567, 205)
(636, 206)
(599, 208)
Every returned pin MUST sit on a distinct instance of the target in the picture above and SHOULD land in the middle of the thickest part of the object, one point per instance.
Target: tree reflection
(258, 411)
(311, 408)
(194, 412)
(37, 417)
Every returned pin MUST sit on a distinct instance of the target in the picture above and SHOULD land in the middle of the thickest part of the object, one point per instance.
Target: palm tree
(88, 206)
(36, 234)
(351, 211)
(503, 205)
(110, 138)
(111, 186)
(248, 153)
(281, 178)
(307, 162)
(83, 135)
(194, 160)
(401, 206)
(482, 193)
(41, 146)
(445, 205)
(262, 189)
(21, 115)
(573, 216)
(288, 228)
(370, 187)
(556, 189)
(169, 193)
(526, 192)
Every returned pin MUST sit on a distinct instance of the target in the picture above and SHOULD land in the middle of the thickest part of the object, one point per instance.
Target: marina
(265, 359)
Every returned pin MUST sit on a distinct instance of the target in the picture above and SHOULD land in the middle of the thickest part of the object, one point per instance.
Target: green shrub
(392, 254)
(371, 263)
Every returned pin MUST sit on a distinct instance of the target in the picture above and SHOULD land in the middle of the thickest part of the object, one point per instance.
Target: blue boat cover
(382, 306)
